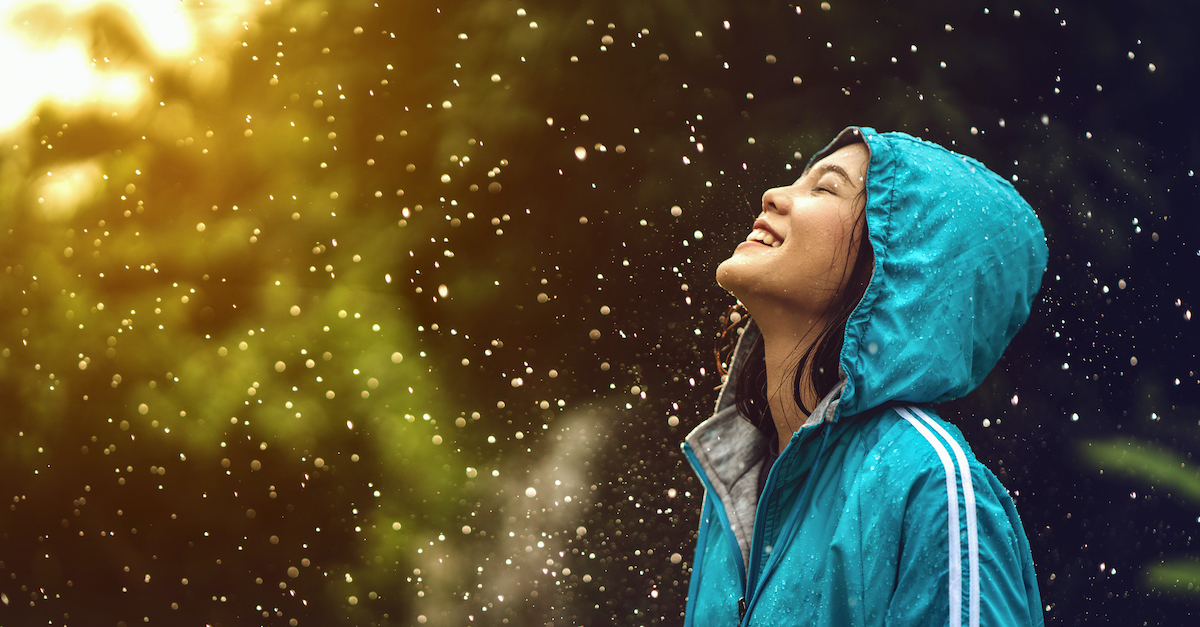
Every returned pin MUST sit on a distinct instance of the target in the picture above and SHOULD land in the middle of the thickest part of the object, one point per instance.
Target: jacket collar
(730, 452)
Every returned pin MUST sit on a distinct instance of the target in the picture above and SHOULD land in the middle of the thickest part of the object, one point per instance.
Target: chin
(728, 276)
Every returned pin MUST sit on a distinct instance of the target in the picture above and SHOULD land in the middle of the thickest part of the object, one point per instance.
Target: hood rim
(860, 315)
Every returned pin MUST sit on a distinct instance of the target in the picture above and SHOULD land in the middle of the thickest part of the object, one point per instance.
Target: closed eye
(827, 184)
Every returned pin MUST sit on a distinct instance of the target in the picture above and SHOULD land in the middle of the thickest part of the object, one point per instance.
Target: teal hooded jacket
(877, 512)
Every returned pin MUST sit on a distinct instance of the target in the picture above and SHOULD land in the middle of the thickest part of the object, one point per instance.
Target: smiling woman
(891, 275)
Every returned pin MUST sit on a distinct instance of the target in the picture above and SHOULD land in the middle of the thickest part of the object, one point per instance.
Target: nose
(777, 200)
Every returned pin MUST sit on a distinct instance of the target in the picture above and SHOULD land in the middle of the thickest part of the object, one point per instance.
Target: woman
(891, 275)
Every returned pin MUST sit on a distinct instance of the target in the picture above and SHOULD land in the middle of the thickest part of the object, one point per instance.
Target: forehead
(855, 155)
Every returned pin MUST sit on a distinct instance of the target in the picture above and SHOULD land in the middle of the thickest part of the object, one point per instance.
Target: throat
(783, 369)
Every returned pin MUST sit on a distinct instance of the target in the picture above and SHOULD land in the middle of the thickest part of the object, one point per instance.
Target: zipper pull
(741, 609)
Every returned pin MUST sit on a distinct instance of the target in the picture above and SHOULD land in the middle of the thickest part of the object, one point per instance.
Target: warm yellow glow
(164, 24)
(62, 191)
(33, 74)
(47, 55)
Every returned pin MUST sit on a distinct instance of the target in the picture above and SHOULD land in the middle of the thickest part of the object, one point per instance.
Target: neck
(783, 347)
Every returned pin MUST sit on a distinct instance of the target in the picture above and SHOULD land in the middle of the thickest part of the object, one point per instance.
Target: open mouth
(765, 237)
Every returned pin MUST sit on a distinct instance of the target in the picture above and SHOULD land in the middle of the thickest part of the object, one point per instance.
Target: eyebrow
(836, 169)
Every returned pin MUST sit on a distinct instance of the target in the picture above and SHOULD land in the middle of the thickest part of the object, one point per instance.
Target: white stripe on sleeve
(955, 552)
(969, 501)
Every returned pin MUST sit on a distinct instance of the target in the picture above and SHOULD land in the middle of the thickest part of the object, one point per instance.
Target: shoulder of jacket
(913, 443)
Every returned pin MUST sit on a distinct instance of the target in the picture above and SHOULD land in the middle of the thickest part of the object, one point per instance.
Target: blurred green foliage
(1160, 469)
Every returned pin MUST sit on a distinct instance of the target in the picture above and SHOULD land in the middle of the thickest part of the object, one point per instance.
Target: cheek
(821, 239)
(826, 248)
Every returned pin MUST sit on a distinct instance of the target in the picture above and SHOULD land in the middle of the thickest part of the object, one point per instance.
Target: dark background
(505, 359)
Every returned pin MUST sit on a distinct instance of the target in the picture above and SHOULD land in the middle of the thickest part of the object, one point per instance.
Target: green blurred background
(395, 312)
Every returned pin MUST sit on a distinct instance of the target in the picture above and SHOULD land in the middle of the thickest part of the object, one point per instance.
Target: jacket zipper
(752, 569)
(789, 526)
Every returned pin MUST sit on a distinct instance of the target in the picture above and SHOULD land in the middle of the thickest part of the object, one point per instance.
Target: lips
(764, 234)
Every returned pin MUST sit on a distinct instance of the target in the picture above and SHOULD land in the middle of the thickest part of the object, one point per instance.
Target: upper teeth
(764, 236)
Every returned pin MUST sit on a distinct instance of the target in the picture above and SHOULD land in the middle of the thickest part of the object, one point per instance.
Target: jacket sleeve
(963, 557)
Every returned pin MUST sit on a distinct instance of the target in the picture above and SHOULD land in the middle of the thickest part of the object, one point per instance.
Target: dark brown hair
(822, 356)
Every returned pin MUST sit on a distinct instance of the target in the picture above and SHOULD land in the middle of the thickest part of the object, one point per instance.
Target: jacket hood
(959, 258)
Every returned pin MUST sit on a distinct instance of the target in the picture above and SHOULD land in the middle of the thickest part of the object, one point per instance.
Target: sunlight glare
(49, 55)
(61, 192)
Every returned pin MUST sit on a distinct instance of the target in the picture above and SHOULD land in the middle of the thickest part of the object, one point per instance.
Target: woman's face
(798, 253)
